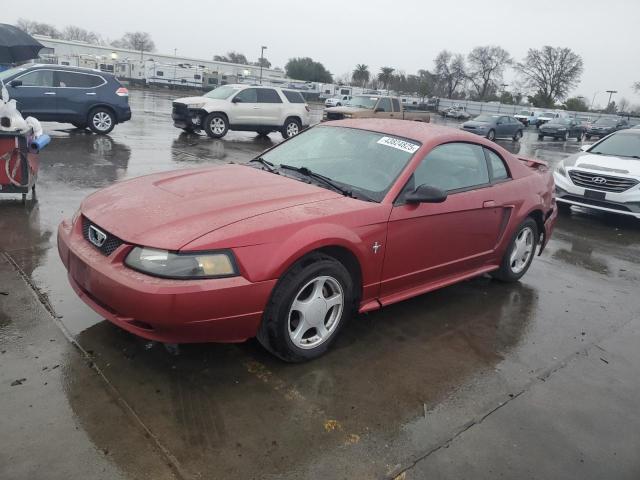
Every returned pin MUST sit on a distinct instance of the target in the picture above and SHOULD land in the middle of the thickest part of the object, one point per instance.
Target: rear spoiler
(534, 163)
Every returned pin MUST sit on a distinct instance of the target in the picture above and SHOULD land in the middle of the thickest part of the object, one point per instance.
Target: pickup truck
(374, 106)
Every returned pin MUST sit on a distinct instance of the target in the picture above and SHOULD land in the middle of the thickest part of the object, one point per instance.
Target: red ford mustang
(346, 217)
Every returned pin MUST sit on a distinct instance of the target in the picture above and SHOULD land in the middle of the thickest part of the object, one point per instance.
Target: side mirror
(236, 100)
(15, 83)
(584, 148)
(426, 194)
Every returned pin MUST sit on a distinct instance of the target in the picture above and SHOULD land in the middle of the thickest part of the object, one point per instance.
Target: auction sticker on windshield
(399, 144)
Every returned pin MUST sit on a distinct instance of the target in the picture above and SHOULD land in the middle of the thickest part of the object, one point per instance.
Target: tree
(263, 62)
(485, 67)
(611, 108)
(139, 41)
(450, 72)
(37, 28)
(361, 74)
(304, 68)
(576, 104)
(552, 72)
(385, 76)
(234, 57)
(74, 33)
(623, 105)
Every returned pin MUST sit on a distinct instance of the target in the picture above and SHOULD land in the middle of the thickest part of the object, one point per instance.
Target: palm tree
(385, 76)
(361, 74)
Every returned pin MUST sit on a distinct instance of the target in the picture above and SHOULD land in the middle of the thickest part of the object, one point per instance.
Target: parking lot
(477, 380)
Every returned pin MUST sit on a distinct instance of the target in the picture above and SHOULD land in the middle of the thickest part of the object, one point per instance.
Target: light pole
(262, 49)
(610, 92)
(593, 100)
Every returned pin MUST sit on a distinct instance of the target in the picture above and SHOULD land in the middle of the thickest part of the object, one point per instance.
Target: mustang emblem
(97, 237)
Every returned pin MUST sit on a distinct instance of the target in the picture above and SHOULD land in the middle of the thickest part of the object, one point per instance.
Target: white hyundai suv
(604, 176)
(251, 108)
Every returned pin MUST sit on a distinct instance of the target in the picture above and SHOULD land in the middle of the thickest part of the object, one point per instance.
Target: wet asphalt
(536, 379)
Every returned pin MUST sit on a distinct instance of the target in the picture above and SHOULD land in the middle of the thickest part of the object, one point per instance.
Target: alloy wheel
(315, 312)
(292, 129)
(218, 125)
(522, 250)
(102, 121)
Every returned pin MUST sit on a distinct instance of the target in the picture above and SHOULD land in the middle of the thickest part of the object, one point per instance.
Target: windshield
(362, 161)
(486, 118)
(621, 144)
(605, 121)
(363, 102)
(10, 72)
(563, 121)
(221, 93)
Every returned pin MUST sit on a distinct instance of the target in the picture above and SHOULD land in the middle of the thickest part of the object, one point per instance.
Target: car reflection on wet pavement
(467, 367)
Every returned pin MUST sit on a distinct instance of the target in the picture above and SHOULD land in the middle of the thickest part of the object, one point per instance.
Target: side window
(249, 95)
(396, 104)
(498, 168)
(293, 97)
(37, 78)
(160, 73)
(384, 105)
(268, 95)
(453, 166)
(503, 120)
(77, 80)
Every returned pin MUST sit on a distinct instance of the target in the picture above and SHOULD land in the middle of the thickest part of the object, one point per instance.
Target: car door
(383, 108)
(503, 128)
(35, 95)
(430, 242)
(76, 93)
(271, 107)
(245, 109)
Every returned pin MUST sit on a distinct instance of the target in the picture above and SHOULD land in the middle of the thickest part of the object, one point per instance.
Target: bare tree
(72, 32)
(37, 28)
(485, 67)
(233, 57)
(450, 72)
(140, 41)
(552, 72)
(623, 105)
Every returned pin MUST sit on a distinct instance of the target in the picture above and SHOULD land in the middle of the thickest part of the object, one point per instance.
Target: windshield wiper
(270, 166)
(326, 180)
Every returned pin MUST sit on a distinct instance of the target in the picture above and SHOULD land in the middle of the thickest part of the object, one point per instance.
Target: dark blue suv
(57, 93)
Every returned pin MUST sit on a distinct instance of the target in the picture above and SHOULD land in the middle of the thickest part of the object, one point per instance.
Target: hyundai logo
(96, 236)
(599, 180)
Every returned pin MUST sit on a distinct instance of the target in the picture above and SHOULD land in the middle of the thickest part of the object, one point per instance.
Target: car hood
(345, 109)
(200, 100)
(605, 164)
(170, 210)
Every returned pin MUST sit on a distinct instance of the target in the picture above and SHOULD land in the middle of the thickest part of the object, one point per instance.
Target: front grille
(111, 243)
(180, 109)
(610, 184)
(334, 116)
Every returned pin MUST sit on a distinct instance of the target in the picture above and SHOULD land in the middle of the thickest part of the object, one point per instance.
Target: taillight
(122, 92)
(306, 107)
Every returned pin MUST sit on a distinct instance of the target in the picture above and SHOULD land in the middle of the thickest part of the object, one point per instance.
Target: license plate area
(594, 195)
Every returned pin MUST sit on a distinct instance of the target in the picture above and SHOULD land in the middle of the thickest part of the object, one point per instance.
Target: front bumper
(170, 311)
(186, 118)
(625, 203)
(552, 133)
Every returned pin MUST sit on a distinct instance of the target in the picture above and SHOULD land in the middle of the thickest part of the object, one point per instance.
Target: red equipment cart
(18, 164)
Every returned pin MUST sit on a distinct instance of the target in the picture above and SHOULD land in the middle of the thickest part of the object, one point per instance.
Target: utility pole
(610, 92)
(261, 61)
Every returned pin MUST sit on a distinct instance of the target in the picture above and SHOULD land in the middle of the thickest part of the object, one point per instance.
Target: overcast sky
(404, 34)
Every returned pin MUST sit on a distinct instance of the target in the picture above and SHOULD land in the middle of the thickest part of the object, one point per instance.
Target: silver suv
(254, 108)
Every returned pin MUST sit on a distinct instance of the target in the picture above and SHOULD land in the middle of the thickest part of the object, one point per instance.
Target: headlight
(196, 106)
(324, 114)
(561, 170)
(165, 264)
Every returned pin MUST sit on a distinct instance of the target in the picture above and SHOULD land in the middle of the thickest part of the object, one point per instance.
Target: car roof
(70, 68)
(425, 133)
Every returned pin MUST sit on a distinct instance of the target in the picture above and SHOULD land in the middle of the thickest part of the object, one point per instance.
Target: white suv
(337, 101)
(243, 107)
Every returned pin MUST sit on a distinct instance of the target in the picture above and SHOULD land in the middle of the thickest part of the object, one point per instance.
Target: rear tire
(519, 255)
(291, 128)
(517, 136)
(289, 332)
(101, 120)
(216, 125)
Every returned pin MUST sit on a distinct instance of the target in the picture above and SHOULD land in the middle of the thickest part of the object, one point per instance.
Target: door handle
(256, 108)
(49, 93)
(90, 93)
(489, 204)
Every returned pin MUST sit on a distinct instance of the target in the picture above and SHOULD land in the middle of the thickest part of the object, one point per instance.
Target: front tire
(491, 135)
(101, 120)
(518, 257)
(517, 136)
(308, 307)
(291, 128)
(216, 125)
